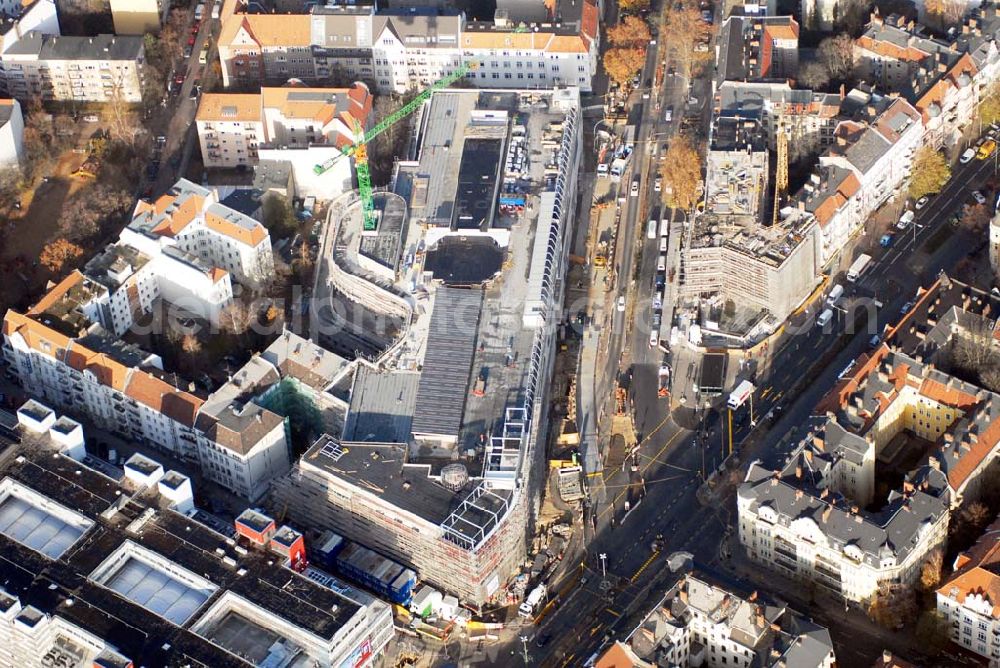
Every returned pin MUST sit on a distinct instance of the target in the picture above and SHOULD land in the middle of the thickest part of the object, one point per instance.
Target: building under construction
(440, 464)
(744, 266)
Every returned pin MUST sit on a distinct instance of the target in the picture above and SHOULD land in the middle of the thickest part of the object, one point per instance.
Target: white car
(905, 220)
(621, 304)
(979, 197)
(922, 202)
(634, 192)
(658, 184)
(967, 156)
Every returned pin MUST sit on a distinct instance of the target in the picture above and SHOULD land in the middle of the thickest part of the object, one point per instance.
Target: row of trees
(628, 40)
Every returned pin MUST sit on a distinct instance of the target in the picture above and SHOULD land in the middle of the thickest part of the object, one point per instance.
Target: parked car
(905, 220)
(621, 304)
(905, 308)
(922, 202)
(886, 240)
(91, 118)
(658, 184)
(634, 191)
(979, 197)
(967, 157)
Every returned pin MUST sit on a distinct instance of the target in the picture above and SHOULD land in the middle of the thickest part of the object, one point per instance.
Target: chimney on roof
(798, 471)
(259, 417)
(798, 494)
(826, 514)
(887, 658)
(933, 462)
(819, 443)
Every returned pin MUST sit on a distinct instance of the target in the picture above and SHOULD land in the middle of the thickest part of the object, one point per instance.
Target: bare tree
(236, 317)
(124, 124)
(972, 349)
(813, 75)
(837, 55)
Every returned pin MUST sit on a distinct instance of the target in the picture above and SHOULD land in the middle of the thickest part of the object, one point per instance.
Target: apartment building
(67, 347)
(942, 78)
(243, 444)
(136, 17)
(69, 68)
(701, 624)
(233, 126)
(788, 523)
(805, 519)
(868, 163)
(39, 16)
(141, 581)
(755, 48)
(399, 50)
(11, 134)
(191, 219)
(968, 599)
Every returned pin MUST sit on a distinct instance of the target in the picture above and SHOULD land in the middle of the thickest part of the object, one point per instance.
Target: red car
(195, 27)
(191, 40)
(179, 79)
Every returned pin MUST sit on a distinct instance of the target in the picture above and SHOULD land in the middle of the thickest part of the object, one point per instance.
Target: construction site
(441, 462)
(745, 268)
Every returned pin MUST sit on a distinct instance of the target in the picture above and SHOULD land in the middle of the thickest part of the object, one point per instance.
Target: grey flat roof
(99, 47)
(382, 406)
(451, 343)
(381, 470)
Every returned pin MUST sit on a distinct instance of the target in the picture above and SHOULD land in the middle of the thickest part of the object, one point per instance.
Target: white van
(824, 318)
(654, 338)
(836, 293)
(661, 264)
(663, 244)
(651, 230)
(199, 11)
(905, 220)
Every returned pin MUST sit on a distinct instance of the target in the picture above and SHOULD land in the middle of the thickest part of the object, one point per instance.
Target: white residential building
(868, 163)
(40, 16)
(304, 127)
(969, 600)
(69, 68)
(241, 444)
(191, 219)
(11, 134)
(410, 49)
(700, 624)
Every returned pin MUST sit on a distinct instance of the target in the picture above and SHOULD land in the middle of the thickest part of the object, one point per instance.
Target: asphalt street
(660, 482)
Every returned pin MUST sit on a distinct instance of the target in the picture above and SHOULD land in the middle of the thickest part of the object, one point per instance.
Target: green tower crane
(359, 149)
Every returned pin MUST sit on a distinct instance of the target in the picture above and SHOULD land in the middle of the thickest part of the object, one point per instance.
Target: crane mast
(359, 149)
